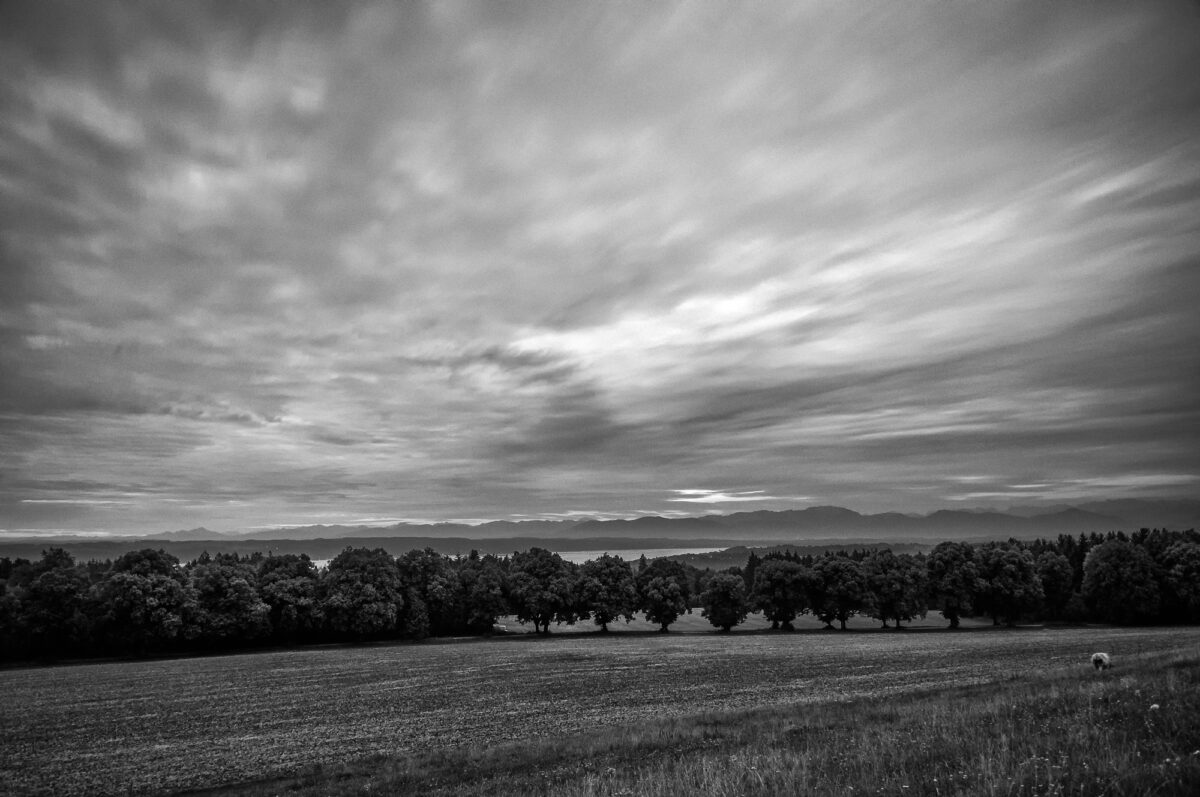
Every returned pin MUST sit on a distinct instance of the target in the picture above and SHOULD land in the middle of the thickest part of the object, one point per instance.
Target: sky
(267, 264)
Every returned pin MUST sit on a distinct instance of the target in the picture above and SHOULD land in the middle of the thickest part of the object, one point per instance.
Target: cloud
(1160, 485)
(469, 260)
(722, 497)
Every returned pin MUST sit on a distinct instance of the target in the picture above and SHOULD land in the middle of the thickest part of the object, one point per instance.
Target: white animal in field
(1101, 661)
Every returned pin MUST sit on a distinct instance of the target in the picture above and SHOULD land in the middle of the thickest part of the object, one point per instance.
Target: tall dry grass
(1133, 730)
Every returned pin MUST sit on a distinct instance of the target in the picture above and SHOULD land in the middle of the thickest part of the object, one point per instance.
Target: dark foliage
(145, 602)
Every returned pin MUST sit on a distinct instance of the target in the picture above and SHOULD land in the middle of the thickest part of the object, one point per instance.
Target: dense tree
(13, 643)
(839, 589)
(607, 590)
(149, 562)
(53, 613)
(751, 570)
(228, 609)
(541, 589)
(663, 592)
(483, 584)
(1058, 578)
(1156, 542)
(1181, 582)
(1008, 584)
(144, 602)
(433, 594)
(896, 586)
(289, 586)
(1119, 583)
(724, 600)
(780, 591)
(953, 572)
(361, 593)
(141, 612)
(7, 566)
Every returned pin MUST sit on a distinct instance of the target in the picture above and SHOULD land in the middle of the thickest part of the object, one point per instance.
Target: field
(187, 724)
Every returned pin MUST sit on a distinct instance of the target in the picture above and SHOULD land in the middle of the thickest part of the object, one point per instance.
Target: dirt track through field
(170, 725)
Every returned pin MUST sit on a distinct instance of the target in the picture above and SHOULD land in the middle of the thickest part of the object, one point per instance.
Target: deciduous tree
(140, 613)
(953, 573)
(896, 586)
(839, 589)
(724, 600)
(1181, 582)
(53, 613)
(483, 583)
(663, 592)
(780, 591)
(228, 609)
(1058, 578)
(1120, 583)
(433, 602)
(541, 589)
(607, 590)
(289, 585)
(1008, 584)
(361, 594)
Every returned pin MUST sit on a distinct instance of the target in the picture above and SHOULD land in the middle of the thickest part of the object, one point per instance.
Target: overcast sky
(290, 263)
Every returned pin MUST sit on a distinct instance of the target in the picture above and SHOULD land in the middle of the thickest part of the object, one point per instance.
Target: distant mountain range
(820, 522)
(822, 525)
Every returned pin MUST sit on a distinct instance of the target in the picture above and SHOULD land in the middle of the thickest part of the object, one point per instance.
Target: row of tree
(1152, 576)
(147, 601)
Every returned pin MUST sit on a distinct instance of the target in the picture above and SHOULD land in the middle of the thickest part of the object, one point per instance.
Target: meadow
(627, 712)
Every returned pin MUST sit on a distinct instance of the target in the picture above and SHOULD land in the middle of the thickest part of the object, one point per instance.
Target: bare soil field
(160, 726)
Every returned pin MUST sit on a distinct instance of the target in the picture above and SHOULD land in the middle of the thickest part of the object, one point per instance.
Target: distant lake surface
(631, 554)
(579, 557)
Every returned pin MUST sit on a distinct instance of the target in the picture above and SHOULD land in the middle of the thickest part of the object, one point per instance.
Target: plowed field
(156, 726)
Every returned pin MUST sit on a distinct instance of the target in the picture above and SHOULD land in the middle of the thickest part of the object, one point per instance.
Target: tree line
(147, 602)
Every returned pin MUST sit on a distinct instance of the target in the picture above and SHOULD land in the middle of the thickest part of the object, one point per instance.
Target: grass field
(560, 707)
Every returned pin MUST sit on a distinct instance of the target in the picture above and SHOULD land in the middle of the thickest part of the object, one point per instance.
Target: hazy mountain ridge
(327, 548)
(763, 526)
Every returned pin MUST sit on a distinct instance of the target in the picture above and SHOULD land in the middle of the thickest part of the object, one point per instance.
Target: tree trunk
(843, 622)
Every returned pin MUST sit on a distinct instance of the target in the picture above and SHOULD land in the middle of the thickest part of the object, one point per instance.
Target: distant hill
(324, 548)
(653, 526)
(834, 521)
(1138, 514)
(497, 529)
(796, 526)
(200, 533)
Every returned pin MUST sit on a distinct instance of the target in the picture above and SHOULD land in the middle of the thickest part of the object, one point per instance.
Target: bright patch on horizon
(721, 496)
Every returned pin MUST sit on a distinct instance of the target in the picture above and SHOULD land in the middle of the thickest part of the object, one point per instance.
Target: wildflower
(1154, 707)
